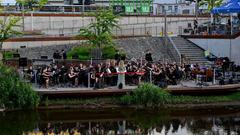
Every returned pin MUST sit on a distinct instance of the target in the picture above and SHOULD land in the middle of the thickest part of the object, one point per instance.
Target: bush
(147, 95)
(8, 55)
(15, 93)
(84, 52)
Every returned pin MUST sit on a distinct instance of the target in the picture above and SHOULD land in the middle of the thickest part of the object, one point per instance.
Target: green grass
(170, 100)
(80, 101)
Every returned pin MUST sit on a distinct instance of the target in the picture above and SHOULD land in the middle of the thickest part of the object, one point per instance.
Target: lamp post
(165, 31)
(83, 6)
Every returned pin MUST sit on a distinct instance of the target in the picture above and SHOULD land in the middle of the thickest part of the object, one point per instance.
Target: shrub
(15, 93)
(8, 55)
(147, 95)
(84, 52)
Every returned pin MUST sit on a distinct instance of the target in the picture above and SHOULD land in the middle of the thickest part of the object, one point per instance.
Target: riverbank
(170, 101)
(234, 104)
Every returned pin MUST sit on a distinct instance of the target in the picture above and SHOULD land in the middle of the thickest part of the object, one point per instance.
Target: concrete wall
(130, 25)
(221, 47)
(17, 45)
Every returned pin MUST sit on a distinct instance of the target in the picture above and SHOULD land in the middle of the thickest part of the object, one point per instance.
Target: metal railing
(174, 50)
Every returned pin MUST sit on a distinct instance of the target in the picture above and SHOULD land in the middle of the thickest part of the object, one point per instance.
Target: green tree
(31, 3)
(9, 26)
(211, 3)
(14, 93)
(99, 32)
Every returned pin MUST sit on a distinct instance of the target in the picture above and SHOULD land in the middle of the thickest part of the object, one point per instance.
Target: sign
(117, 9)
(145, 9)
(129, 9)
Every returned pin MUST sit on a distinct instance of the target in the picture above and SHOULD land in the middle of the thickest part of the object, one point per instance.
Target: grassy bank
(145, 95)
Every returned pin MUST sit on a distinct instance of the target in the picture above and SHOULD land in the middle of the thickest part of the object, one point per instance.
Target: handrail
(175, 47)
(213, 36)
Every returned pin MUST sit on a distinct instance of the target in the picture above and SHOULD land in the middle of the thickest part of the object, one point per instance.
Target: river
(122, 121)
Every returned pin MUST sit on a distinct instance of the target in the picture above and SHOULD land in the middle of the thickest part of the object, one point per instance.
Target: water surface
(111, 122)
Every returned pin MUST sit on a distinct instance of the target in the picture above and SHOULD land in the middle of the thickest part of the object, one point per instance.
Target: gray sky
(9, 1)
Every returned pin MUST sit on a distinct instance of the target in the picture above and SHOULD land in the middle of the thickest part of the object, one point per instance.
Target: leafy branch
(100, 32)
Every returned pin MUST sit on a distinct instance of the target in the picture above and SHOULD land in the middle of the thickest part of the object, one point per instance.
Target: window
(176, 9)
(170, 8)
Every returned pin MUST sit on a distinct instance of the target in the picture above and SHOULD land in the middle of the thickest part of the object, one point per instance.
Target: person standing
(64, 54)
(195, 23)
(117, 57)
(121, 70)
(148, 56)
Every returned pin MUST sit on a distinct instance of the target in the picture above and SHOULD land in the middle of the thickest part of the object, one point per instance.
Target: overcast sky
(9, 1)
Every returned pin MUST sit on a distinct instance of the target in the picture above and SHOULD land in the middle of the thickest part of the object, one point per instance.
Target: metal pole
(32, 20)
(23, 21)
(88, 80)
(230, 49)
(214, 75)
(83, 6)
(150, 76)
(196, 10)
(165, 32)
(231, 19)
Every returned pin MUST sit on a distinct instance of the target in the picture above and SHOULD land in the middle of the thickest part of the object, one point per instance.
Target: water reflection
(119, 122)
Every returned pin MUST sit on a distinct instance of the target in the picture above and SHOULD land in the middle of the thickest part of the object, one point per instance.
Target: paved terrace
(187, 87)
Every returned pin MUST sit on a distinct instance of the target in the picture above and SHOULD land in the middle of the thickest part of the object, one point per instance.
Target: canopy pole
(230, 45)
(231, 20)
(211, 18)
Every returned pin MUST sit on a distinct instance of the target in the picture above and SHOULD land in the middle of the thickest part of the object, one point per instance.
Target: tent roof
(233, 6)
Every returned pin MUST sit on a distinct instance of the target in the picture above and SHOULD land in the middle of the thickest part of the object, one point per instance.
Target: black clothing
(117, 57)
(64, 55)
(148, 57)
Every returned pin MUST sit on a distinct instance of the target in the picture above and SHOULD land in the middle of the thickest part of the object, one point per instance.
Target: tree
(211, 3)
(99, 32)
(8, 29)
(30, 3)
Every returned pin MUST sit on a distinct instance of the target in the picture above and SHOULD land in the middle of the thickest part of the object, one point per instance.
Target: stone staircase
(135, 48)
(192, 52)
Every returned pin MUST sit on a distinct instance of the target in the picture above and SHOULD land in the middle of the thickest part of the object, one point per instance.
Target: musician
(46, 77)
(98, 76)
(55, 75)
(30, 74)
(107, 76)
(63, 75)
(113, 70)
(72, 77)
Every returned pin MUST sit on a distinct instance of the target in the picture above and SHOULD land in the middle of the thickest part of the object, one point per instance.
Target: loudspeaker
(23, 62)
(44, 57)
(16, 55)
